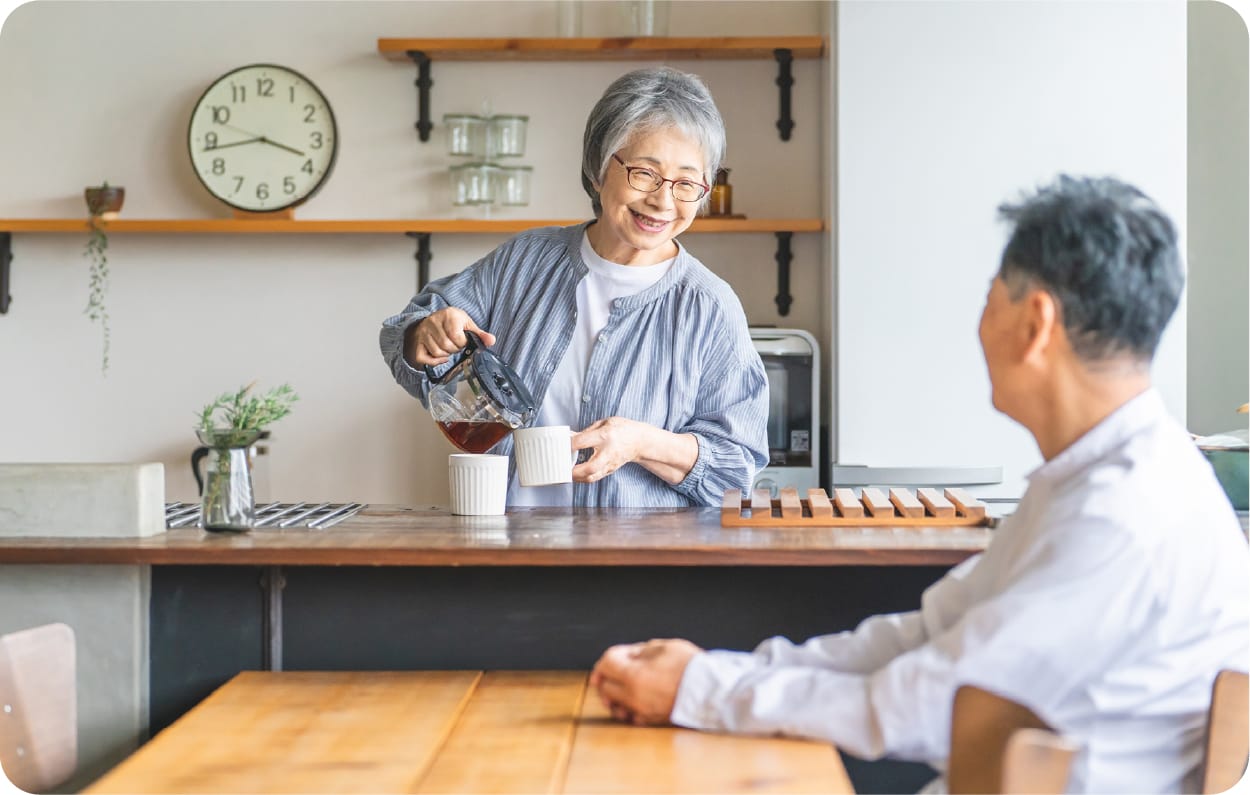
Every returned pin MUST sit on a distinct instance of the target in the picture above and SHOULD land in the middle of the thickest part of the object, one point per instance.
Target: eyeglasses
(647, 181)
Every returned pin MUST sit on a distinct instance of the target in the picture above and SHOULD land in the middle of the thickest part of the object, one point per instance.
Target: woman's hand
(618, 441)
(437, 337)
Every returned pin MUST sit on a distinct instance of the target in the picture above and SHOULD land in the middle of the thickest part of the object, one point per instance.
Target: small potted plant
(103, 204)
(228, 427)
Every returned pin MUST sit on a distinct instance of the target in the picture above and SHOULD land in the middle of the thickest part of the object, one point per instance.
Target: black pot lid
(499, 381)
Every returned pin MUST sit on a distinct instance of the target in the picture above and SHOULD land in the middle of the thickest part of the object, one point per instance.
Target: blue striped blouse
(676, 355)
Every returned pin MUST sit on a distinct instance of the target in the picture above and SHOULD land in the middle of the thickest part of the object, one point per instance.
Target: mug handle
(474, 342)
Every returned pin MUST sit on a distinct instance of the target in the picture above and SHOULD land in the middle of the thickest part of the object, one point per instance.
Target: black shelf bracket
(423, 257)
(6, 257)
(784, 81)
(783, 257)
(423, 83)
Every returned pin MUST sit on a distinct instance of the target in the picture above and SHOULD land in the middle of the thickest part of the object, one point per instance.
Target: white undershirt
(605, 282)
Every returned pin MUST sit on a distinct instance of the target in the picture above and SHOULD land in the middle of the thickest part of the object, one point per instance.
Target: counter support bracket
(423, 257)
(6, 257)
(272, 582)
(783, 257)
(423, 84)
(784, 81)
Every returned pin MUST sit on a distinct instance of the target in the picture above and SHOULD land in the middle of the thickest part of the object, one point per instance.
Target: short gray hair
(1107, 253)
(643, 101)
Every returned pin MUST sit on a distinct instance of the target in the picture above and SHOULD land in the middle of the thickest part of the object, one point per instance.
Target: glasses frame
(629, 178)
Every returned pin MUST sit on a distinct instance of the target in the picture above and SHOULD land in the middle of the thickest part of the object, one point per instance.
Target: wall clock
(262, 138)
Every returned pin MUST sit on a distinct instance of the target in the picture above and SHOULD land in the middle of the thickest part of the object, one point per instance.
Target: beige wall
(196, 315)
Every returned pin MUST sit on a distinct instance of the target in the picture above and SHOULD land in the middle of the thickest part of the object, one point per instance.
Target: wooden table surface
(450, 732)
(401, 536)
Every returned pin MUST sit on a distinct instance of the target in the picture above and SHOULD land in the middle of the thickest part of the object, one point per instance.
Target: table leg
(272, 581)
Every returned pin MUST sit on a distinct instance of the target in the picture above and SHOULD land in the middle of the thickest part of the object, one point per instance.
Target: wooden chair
(999, 746)
(38, 707)
(1228, 732)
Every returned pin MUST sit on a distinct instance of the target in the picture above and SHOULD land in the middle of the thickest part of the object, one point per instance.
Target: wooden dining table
(450, 732)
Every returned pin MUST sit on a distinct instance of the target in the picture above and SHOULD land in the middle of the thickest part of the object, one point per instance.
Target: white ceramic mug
(544, 455)
(479, 483)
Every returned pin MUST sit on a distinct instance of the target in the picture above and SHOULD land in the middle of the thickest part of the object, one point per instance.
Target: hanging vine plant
(103, 204)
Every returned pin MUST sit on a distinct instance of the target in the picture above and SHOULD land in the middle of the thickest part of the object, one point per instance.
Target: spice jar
(721, 200)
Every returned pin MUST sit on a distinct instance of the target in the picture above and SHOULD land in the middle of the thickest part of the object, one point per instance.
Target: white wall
(1219, 213)
(944, 110)
(103, 90)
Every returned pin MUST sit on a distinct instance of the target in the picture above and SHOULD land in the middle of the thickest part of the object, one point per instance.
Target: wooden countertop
(450, 731)
(387, 535)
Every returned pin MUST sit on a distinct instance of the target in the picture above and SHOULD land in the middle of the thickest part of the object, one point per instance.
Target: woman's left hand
(616, 442)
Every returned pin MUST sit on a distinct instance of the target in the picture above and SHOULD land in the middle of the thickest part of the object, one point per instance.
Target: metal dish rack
(314, 516)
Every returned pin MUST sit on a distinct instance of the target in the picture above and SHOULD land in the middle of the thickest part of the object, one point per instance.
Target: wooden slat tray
(873, 508)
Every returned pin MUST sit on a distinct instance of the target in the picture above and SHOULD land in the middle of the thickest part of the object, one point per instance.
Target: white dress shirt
(1107, 604)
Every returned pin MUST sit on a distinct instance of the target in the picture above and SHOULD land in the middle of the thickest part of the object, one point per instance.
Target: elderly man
(1106, 603)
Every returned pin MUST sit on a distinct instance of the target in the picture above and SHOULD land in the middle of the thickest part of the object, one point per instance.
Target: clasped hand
(638, 682)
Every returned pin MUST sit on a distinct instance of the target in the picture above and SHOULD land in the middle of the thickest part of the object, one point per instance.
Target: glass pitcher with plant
(228, 427)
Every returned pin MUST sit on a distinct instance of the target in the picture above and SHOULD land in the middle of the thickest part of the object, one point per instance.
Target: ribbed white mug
(479, 483)
(544, 455)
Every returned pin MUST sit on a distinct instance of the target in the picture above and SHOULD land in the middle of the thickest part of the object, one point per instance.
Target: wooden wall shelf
(604, 49)
(418, 229)
(232, 226)
(784, 49)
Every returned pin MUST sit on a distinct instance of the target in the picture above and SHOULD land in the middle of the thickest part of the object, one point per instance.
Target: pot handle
(474, 342)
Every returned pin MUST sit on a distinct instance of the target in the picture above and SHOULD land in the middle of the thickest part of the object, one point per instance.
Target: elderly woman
(616, 329)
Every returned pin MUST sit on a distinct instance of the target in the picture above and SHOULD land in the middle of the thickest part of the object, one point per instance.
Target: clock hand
(282, 146)
(233, 143)
(240, 129)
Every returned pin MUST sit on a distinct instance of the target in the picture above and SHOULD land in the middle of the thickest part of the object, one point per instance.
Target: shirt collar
(1129, 419)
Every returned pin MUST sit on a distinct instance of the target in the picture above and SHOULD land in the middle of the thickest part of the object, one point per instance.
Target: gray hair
(1106, 253)
(643, 101)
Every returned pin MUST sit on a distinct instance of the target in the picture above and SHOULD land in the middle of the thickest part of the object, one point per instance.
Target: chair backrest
(1228, 732)
(38, 707)
(999, 746)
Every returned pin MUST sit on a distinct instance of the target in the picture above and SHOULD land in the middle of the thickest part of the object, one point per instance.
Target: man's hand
(638, 682)
(435, 339)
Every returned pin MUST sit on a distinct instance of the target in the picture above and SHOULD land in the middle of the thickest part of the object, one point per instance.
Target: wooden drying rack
(873, 508)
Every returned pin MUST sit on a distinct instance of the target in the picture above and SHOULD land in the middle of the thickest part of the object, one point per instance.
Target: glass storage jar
(473, 183)
(466, 134)
(514, 185)
(507, 135)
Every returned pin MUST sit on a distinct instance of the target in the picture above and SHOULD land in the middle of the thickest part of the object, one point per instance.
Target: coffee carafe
(480, 400)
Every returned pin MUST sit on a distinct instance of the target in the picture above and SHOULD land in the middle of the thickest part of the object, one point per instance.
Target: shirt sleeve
(730, 417)
(818, 689)
(1020, 641)
(471, 290)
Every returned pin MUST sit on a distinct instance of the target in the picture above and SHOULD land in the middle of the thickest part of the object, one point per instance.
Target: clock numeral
(291, 94)
(309, 112)
(221, 114)
(317, 141)
(307, 168)
(262, 191)
(238, 185)
(288, 185)
(238, 93)
(264, 87)
(219, 166)
(210, 141)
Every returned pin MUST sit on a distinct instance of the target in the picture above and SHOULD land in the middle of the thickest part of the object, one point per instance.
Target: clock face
(262, 138)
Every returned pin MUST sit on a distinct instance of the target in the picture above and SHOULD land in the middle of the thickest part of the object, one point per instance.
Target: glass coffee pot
(480, 400)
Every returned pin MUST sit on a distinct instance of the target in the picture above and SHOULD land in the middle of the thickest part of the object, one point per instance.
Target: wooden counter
(401, 536)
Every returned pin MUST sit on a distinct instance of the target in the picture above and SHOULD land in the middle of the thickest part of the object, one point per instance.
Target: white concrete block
(77, 500)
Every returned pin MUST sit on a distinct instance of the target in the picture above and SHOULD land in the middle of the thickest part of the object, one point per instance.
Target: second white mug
(543, 455)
